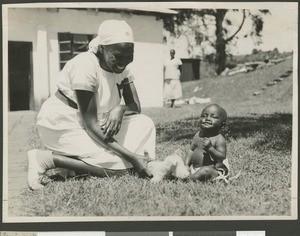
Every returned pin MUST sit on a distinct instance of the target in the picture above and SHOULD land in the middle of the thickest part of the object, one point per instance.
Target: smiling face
(116, 57)
(213, 117)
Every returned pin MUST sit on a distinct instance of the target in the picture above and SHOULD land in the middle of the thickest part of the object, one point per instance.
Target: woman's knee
(147, 121)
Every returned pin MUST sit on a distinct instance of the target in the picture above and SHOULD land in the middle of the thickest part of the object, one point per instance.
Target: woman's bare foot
(39, 161)
(35, 170)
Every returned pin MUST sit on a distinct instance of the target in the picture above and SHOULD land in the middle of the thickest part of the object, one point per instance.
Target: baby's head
(213, 117)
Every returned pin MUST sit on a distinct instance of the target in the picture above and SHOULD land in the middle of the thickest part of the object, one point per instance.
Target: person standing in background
(172, 85)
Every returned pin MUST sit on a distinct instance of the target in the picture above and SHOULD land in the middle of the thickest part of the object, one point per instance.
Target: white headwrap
(111, 32)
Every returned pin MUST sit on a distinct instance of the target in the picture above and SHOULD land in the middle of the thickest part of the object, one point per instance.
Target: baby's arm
(188, 158)
(218, 151)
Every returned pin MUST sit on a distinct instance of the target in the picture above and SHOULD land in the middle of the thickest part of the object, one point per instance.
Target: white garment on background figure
(172, 85)
(172, 68)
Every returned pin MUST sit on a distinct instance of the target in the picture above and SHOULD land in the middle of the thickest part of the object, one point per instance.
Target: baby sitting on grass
(206, 158)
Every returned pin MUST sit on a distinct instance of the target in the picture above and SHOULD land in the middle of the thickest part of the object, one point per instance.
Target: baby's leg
(205, 173)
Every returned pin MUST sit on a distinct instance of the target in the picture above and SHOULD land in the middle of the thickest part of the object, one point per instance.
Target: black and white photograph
(150, 111)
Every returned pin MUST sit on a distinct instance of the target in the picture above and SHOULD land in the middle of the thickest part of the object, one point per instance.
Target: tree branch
(204, 12)
(213, 44)
(231, 37)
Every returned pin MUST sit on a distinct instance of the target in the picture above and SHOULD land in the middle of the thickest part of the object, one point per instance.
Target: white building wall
(35, 24)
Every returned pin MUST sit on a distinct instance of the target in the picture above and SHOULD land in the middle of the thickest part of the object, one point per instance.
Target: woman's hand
(113, 122)
(140, 165)
(88, 109)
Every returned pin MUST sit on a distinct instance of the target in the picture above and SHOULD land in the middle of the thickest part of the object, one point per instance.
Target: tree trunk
(220, 60)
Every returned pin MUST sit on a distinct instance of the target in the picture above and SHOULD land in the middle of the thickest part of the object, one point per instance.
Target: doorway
(20, 76)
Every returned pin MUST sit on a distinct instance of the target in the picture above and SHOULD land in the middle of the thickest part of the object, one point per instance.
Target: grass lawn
(259, 139)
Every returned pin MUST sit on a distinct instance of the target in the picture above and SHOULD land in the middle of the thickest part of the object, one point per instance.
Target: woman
(172, 86)
(84, 124)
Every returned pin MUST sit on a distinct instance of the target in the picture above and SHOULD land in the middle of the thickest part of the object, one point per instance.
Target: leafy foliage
(199, 21)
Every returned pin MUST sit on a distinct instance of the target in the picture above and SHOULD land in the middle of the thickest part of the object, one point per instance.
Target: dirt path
(20, 126)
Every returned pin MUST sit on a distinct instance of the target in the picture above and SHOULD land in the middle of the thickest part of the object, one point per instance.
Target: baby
(206, 158)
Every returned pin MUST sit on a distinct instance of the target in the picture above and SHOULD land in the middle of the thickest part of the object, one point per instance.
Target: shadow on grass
(273, 130)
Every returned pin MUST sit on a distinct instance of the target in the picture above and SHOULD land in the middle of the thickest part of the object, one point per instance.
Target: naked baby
(206, 158)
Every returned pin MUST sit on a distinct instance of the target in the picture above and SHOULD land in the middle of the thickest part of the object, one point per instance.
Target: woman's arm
(131, 98)
(113, 122)
(180, 68)
(88, 110)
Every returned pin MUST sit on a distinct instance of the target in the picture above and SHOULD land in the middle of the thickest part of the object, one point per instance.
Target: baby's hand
(207, 143)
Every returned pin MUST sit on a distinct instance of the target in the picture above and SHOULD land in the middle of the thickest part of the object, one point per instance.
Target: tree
(224, 34)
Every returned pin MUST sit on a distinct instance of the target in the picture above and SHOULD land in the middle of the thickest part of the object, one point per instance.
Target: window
(72, 44)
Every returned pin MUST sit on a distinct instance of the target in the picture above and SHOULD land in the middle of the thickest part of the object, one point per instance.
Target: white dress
(60, 126)
(172, 85)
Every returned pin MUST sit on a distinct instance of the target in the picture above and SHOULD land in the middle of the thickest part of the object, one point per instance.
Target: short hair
(221, 109)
